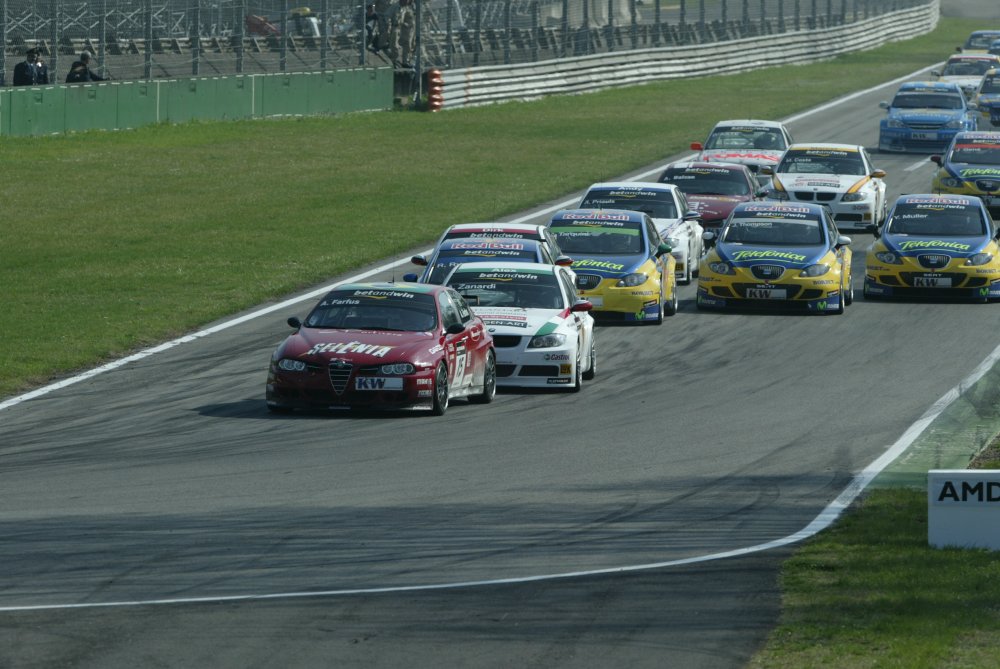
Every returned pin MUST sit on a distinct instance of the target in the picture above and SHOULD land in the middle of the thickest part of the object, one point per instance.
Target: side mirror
(936, 159)
(473, 300)
(691, 216)
(663, 248)
(411, 277)
(843, 240)
(582, 305)
(419, 260)
(936, 73)
(564, 261)
(874, 229)
(767, 170)
(697, 146)
(709, 237)
(760, 194)
(295, 322)
(973, 106)
(878, 174)
(455, 328)
(883, 104)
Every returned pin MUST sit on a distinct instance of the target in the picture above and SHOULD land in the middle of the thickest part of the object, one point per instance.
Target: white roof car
(495, 230)
(839, 176)
(753, 142)
(677, 221)
(967, 70)
(542, 331)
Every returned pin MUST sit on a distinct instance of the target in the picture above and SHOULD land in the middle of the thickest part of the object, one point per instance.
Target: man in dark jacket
(80, 72)
(31, 71)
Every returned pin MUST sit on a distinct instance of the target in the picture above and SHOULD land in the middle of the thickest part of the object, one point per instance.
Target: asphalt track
(165, 479)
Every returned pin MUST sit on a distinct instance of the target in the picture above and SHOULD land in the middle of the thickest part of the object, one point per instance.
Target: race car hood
(714, 208)
(929, 115)
(608, 266)
(987, 100)
(361, 347)
(665, 226)
(989, 175)
(953, 247)
(745, 255)
(743, 156)
(820, 183)
(519, 321)
(963, 82)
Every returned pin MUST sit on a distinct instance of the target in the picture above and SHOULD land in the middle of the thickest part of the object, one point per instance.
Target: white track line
(825, 518)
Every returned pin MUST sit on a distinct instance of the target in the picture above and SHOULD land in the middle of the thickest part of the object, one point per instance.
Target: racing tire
(578, 377)
(866, 293)
(686, 279)
(489, 381)
(440, 405)
(592, 370)
(848, 293)
(670, 308)
(659, 312)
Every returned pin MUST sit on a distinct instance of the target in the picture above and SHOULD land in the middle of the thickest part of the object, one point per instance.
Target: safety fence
(481, 85)
(163, 39)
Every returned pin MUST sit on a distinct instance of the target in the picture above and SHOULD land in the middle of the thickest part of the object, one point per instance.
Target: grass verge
(113, 241)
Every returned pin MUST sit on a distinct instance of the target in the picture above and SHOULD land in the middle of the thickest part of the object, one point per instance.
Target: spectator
(404, 31)
(80, 72)
(385, 13)
(32, 71)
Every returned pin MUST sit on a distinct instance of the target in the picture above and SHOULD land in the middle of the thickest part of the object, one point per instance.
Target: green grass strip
(113, 241)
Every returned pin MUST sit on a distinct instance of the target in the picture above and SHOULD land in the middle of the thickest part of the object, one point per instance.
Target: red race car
(713, 189)
(384, 345)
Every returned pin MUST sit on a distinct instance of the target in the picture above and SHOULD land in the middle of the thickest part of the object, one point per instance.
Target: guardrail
(497, 83)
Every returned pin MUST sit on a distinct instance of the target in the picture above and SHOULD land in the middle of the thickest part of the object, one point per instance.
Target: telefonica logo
(934, 244)
(966, 491)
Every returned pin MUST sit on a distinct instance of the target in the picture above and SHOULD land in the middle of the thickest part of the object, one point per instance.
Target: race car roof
(772, 208)
(633, 185)
(478, 267)
(930, 87)
(707, 165)
(402, 286)
(759, 123)
(487, 244)
(977, 137)
(824, 146)
(486, 227)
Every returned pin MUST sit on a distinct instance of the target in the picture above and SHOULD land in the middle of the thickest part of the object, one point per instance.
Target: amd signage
(963, 508)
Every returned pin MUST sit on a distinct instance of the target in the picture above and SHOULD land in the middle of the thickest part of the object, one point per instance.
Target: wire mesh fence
(152, 39)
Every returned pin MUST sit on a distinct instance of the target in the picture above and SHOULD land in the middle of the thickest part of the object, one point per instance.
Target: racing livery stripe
(856, 187)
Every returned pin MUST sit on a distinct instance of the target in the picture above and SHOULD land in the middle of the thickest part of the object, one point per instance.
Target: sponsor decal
(557, 356)
(506, 275)
(435, 349)
(424, 382)
(498, 234)
(595, 217)
(339, 301)
(565, 369)
(378, 383)
(384, 294)
(966, 491)
(955, 202)
(558, 381)
(768, 255)
(967, 172)
(350, 347)
(763, 208)
(936, 244)
(474, 286)
(598, 264)
(504, 322)
(513, 246)
(424, 393)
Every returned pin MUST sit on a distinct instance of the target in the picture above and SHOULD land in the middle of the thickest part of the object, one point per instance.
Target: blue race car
(452, 252)
(925, 116)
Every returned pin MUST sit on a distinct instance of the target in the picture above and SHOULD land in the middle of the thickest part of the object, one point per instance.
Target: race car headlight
(956, 123)
(547, 341)
(889, 258)
(894, 123)
(721, 268)
(776, 194)
(853, 197)
(818, 269)
(289, 365)
(951, 182)
(979, 259)
(396, 369)
(674, 242)
(634, 279)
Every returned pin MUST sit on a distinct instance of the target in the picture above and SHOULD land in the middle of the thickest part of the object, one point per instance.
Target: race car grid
(825, 518)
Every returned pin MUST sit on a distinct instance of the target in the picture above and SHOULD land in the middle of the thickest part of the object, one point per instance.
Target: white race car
(677, 221)
(751, 142)
(839, 176)
(542, 332)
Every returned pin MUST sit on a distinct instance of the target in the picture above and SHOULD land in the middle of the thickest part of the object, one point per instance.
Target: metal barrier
(483, 85)
(168, 39)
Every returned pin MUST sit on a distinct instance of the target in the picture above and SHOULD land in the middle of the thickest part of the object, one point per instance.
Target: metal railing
(147, 39)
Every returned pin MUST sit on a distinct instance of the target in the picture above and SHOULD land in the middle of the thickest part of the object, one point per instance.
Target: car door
(653, 240)
(470, 345)
(580, 321)
(456, 345)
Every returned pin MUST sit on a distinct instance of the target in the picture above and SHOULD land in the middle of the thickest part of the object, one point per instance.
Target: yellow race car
(777, 255)
(935, 246)
(971, 166)
(623, 267)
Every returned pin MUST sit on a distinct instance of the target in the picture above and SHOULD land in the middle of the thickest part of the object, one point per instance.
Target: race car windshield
(723, 182)
(657, 205)
(447, 260)
(773, 232)
(991, 86)
(594, 240)
(495, 289)
(374, 310)
(937, 221)
(976, 154)
(806, 162)
(746, 138)
(927, 101)
(967, 68)
(491, 234)
(981, 41)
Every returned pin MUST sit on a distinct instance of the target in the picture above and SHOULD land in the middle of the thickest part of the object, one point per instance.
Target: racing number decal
(461, 362)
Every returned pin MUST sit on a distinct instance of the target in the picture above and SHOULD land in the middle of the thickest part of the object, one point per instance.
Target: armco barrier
(117, 105)
(497, 83)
